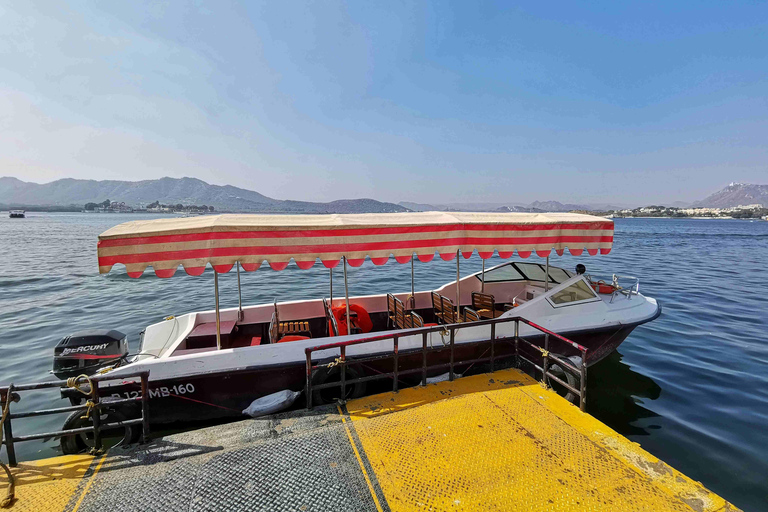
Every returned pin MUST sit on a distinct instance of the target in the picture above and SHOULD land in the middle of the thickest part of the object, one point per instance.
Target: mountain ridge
(736, 194)
(187, 191)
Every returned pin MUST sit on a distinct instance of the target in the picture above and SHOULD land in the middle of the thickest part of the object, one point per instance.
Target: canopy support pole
(346, 294)
(218, 320)
(331, 272)
(546, 282)
(458, 286)
(413, 292)
(482, 278)
(239, 295)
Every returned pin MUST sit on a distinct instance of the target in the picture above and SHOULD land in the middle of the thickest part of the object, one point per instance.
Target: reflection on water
(617, 394)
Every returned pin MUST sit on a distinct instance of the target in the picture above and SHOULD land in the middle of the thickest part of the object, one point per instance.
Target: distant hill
(419, 207)
(536, 206)
(186, 191)
(555, 206)
(513, 208)
(736, 194)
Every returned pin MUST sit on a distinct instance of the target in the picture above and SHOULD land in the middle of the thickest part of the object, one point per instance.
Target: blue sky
(400, 101)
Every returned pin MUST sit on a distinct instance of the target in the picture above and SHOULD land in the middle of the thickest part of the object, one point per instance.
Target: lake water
(690, 387)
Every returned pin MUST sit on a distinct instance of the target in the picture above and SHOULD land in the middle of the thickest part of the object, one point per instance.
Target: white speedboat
(214, 363)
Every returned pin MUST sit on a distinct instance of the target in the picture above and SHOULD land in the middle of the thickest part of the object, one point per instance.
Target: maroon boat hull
(220, 395)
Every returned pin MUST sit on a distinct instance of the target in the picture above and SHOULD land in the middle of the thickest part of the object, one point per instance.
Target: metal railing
(93, 406)
(622, 285)
(516, 341)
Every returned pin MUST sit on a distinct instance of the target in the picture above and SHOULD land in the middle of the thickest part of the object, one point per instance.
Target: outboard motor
(88, 351)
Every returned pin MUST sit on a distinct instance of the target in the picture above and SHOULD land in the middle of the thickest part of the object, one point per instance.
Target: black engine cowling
(88, 351)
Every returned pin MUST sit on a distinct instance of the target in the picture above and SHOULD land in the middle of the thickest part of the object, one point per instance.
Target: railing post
(424, 359)
(144, 407)
(7, 430)
(493, 345)
(395, 371)
(453, 338)
(517, 343)
(583, 383)
(343, 363)
(308, 387)
(545, 364)
(95, 414)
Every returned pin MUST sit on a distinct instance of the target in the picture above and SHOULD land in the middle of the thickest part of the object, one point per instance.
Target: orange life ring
(363, 318)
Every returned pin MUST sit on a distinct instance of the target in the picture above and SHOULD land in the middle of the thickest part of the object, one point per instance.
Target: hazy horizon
(428, 103)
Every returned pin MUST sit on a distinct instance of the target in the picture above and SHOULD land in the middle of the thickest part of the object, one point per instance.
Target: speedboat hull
(211, 395)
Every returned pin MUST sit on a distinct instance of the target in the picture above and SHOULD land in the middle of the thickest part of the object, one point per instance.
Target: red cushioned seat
(292, 338)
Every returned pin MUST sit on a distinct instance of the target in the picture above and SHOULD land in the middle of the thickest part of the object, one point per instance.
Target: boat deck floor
(488, 442)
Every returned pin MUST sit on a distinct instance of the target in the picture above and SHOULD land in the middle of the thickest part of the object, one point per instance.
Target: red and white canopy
(223, 240)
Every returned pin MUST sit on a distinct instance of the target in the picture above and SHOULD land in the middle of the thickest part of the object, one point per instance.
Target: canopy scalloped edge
(170, 271)
(224, 240)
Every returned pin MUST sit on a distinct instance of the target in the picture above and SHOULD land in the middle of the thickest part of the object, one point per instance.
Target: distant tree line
(93, 206)
(172, 207)
(182, 208)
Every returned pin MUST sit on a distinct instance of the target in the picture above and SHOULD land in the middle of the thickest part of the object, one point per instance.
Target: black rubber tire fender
(325, 375)
(76, 443)
(570, 378)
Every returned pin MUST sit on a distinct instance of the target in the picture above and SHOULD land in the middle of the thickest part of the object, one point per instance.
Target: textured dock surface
(488, 442)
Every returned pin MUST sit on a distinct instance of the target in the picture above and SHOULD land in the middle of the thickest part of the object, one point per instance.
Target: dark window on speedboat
(578, 291)
(525, 272)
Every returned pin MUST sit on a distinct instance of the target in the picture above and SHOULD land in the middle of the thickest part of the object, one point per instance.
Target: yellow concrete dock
(487, 442)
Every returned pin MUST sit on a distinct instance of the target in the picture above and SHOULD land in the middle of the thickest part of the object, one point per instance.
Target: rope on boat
(74, 383)
(11, 492)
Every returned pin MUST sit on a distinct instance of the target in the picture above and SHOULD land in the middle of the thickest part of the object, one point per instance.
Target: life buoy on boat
(602, 287)
(363, 318)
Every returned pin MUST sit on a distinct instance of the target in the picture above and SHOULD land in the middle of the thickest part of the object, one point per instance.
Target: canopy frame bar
(346, 294)
(458, 286)
(413, 287)
(218, 319)
(239, 295)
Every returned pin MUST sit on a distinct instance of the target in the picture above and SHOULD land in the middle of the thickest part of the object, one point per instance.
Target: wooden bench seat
(485, 305)
(399, 318)
(294, 330)
(445, 311)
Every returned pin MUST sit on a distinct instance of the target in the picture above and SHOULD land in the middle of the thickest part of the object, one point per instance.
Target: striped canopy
(223, 240)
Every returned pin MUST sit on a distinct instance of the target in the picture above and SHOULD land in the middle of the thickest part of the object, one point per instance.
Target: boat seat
(402, 319)
(391, 302)
(278, 329)
(485, 305)
(292, 338)
(289, 328)
(445, 312)
(255, 341)
(470, 315)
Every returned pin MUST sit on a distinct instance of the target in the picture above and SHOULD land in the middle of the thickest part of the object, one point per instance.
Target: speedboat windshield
(519, 271)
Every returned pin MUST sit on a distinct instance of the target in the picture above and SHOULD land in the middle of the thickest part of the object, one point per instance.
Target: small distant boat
(17, 214)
